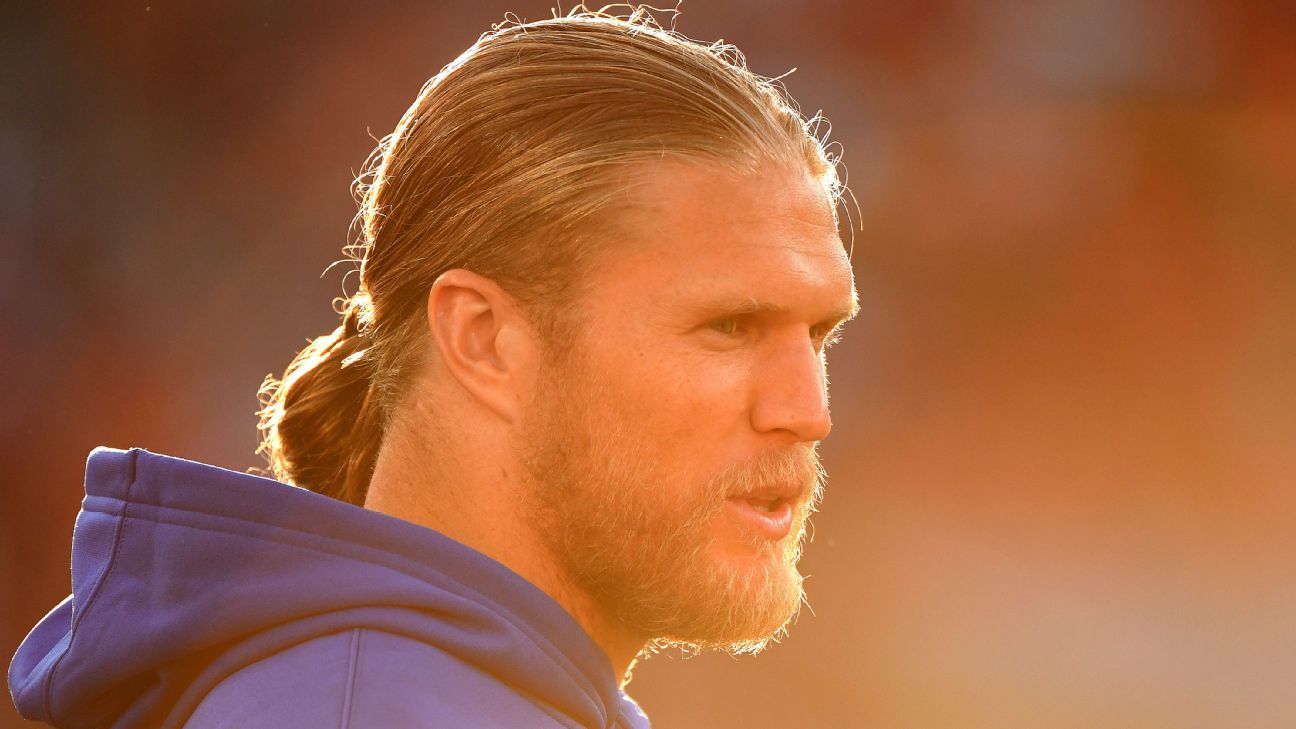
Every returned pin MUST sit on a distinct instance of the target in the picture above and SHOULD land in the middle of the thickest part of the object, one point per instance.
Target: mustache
(797, 471)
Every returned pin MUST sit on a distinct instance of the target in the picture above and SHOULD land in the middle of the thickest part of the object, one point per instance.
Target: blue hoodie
(209, 598)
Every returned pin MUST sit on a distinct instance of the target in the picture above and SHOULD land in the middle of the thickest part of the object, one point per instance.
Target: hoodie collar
(173, 559)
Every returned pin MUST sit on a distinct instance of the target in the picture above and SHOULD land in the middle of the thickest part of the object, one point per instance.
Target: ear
(485, 340)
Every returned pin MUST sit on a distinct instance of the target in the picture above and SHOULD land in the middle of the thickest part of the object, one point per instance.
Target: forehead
(689, 230)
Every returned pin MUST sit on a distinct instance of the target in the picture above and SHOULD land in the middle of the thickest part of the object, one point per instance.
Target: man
(577, 395)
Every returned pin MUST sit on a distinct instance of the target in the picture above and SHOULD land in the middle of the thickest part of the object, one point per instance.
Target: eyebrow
(757, 306)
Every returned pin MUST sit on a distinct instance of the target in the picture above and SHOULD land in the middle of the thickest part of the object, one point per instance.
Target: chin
(749, 600)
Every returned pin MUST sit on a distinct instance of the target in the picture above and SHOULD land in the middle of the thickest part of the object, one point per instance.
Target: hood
(175, 562)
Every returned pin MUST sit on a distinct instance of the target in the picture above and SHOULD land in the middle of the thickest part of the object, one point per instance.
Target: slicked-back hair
(503, 165)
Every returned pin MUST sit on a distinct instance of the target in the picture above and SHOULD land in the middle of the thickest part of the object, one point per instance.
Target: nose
(791, 397)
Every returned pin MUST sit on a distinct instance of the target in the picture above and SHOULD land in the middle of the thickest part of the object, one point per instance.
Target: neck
(485, 497)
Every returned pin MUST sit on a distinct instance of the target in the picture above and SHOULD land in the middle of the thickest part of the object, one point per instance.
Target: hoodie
(205, 598)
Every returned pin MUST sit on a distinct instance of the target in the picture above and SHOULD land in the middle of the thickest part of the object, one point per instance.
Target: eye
(724, 326)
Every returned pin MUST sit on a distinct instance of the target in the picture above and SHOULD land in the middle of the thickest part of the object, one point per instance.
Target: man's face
(671, 441)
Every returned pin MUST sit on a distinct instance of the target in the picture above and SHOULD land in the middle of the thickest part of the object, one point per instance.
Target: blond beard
(651, 564)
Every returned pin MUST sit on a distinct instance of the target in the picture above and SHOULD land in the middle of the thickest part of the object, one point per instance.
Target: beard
(639, 536)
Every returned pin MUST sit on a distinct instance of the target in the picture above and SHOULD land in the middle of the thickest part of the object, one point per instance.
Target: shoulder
(363, 678)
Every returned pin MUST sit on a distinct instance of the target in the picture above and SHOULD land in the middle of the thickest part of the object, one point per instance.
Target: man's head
(671, 442)
(618, 248)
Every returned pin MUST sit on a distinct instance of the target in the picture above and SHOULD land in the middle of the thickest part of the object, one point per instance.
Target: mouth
(766, 505)
(769, 516)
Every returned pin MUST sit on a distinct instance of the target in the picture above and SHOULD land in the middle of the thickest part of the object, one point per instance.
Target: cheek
(686, 407)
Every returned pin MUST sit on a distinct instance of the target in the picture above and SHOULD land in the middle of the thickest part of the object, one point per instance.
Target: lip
(790, 491)
(773, 524)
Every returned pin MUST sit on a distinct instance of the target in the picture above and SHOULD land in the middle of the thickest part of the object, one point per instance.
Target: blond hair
(499, 167)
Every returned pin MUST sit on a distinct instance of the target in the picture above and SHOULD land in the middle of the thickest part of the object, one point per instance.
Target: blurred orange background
(1063, 467)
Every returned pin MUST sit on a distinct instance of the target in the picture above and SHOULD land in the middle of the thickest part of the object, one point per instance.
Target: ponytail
(321, 425)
